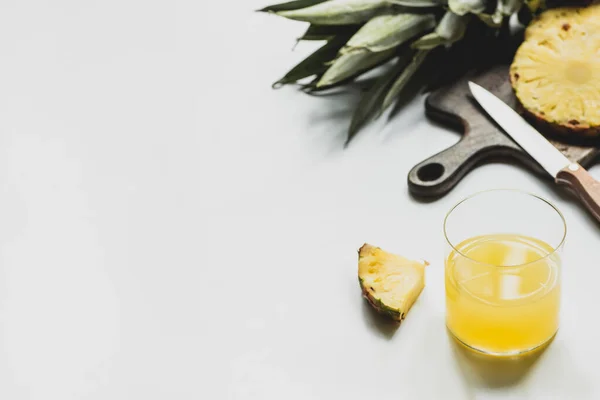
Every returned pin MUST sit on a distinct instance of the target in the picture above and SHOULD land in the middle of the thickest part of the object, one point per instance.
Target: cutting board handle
(437, 175)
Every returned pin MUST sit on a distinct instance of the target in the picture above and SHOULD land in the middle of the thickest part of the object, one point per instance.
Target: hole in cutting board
(430, 172)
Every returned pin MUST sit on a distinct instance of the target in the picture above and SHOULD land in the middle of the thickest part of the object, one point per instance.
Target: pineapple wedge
(389, 282)
(556, 70)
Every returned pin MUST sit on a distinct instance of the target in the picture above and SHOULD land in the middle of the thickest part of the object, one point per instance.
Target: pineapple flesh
(389, 282)
(556, 70)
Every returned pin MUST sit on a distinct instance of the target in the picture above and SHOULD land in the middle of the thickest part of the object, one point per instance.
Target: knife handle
(584, 185)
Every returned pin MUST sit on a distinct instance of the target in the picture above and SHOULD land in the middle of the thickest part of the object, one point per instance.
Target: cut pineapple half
(389, 282)
(556, 70)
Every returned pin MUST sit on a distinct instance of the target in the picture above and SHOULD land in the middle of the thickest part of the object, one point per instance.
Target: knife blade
(536, 145)
(564, 172)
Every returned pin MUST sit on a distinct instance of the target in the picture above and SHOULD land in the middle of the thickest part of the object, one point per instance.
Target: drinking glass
(502, 269)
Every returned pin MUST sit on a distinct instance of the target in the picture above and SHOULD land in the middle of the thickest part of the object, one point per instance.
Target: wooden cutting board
(482, 140)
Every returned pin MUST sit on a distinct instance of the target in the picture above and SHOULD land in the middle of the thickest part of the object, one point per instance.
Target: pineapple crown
(406, 38)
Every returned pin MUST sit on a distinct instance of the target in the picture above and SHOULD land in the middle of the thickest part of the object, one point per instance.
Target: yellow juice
(502, 293)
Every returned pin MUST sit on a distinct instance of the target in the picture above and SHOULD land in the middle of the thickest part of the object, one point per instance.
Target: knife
(565, 173)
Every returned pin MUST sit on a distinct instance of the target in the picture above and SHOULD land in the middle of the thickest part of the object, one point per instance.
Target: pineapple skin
(396, 313)
(381, 308)
(556, 22)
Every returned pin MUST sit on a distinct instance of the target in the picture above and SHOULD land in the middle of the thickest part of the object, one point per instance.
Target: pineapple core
(556, 70)
(389, 282)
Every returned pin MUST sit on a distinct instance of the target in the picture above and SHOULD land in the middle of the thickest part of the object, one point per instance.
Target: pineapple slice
(556, 70)
(389, 282)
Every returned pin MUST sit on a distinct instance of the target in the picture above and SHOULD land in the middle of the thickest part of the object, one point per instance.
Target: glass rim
(522, 192)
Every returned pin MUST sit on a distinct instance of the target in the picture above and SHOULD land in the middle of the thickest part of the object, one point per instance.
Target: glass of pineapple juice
(502, 268)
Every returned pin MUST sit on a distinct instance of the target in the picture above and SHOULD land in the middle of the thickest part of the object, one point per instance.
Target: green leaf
(338, 12)
(349, 64)
(492, 20)
(463, 7)
(429, 41)
(534, 5)
(314, 64)
(371, 104)
(451, 28)
(387, 31)
(313, 88)
(509, 7)
(360, 85)
(326, 32)
(420, 3)
(291, 5)
(504, 8)
(405, 77)
(375, 42)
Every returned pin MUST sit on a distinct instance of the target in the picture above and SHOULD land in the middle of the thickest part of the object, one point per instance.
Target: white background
(173, 228)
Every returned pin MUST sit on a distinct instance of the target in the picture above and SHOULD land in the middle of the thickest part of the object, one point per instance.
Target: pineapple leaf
(338, 12)
(463, 7)
(534, 5)
(420, 3)
(509, 7)
(429, 41)
(405, 77)
(314, 64)
(353, 64)
(361, 85)
(371, 103)
(326, 32)
(314, 89)
(492, 20)
(451, 28)
(504, 8)
(375, 42)
(291, 5)
(387, 31)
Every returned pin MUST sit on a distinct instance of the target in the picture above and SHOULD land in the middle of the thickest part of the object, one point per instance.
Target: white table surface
(173, 228)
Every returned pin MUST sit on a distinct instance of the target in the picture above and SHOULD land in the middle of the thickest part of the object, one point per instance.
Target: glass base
(515, 353)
